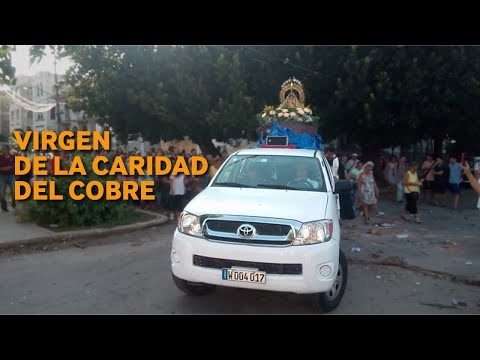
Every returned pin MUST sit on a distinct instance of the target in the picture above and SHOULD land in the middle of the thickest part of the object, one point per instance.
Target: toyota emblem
(246, 231)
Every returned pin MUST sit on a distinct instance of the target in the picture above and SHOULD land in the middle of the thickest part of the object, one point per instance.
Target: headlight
(314, 232)
(189, 224)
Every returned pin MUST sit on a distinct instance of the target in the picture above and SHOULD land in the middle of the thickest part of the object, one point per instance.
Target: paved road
(133, 277)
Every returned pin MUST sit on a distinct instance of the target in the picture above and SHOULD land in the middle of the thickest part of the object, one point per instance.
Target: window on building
(29, 115)
(40, 116)
(38, 90)
(41, 89)
(52, 113)
(13, 115)
(18, 114)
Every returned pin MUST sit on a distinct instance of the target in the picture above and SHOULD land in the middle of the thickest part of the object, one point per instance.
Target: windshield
(272, 172)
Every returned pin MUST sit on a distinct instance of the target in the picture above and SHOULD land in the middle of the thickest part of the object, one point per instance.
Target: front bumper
(311, 257)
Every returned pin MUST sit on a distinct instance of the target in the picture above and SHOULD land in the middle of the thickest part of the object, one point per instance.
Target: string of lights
(26, 103)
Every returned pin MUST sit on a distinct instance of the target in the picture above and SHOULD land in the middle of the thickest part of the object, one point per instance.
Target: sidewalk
(11, 230)
(14, 234)
(447, 242)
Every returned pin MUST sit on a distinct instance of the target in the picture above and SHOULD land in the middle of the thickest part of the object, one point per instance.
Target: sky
(21, 62)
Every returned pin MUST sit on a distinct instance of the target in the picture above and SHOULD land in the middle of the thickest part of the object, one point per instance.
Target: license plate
(259, 277)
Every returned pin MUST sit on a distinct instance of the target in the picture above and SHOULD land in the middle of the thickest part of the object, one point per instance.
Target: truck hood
(302, 206)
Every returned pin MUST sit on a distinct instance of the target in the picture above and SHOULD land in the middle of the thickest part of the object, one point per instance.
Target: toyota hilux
(268, 220)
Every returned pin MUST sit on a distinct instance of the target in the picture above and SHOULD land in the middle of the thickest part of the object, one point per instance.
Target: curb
(87, 234)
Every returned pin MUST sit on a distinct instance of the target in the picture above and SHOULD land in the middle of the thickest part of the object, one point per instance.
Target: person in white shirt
(177, 192)
(337, 167)
(352, 163)
(301, 180)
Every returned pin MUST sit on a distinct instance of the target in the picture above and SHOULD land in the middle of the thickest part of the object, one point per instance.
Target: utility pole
(57, 95)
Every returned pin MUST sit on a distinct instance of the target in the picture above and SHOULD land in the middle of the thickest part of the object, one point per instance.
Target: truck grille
(268, 231)
(262, 228)
(269, 268)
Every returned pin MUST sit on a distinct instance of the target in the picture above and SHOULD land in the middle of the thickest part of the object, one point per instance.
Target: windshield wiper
(276, 186)
(233, 184)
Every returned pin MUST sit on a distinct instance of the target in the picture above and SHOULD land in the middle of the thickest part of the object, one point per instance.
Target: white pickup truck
(268, 220)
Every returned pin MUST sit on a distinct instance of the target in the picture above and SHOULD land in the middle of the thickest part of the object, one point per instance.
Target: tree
(372, 96)
(7, 70)
(161, 91)
(209, 96)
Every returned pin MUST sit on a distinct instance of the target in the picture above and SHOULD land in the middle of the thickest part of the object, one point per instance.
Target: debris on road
(374, 231)
(458, 302)
(440, 306)
(379, 277)
(79, 246)
(468, 263)
(53, 225)
(426, 252)
(449, 244)
(355, 249)
(385, 225)
(402, 236)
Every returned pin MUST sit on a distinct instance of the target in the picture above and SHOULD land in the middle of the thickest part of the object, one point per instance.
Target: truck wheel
(329, 300)
(191, 288)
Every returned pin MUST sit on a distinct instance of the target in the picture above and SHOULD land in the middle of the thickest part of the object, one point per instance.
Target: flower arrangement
(303, 115)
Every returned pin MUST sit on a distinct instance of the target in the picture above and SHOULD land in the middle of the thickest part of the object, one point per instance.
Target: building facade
(40, 88)
(21, 118)
(4, 115)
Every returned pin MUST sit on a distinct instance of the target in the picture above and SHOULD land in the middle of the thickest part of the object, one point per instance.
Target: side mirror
(343, 186)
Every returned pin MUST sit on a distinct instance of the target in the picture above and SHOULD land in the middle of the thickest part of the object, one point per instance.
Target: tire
(328, 301)
(191, 288)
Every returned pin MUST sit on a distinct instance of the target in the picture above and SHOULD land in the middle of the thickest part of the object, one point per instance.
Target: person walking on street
(455, 179)
(353, 175)
(344, 160)
(391, 175)
(476, 174)
(177, 194)
(412, 192)
(336, 165)
(428, 178)
(7, 176)
(368, 190)
(440, 182)
(352, 163)
(401, 170)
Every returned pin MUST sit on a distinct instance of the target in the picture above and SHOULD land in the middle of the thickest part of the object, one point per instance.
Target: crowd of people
(407, 182)
(171, 192)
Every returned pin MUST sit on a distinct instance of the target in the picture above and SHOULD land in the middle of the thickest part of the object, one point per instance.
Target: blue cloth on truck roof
(301, 141)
